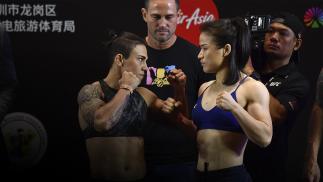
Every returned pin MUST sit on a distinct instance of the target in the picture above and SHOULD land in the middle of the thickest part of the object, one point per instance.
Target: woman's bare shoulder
(204, 86)
(254, 88)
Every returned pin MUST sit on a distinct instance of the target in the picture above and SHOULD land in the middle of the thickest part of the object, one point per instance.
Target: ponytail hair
(243, 43)
(233, 31)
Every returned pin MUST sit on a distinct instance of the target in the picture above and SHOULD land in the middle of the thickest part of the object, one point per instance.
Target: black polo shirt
(290, 88)
(287, 85)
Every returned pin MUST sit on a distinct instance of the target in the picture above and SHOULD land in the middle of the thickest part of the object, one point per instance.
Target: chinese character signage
(34, 18)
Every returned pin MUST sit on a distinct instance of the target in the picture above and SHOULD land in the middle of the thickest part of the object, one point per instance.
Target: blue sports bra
(216, 118)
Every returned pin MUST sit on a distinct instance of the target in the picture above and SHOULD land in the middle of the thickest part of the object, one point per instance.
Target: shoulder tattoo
(87, 93)
(89, 101)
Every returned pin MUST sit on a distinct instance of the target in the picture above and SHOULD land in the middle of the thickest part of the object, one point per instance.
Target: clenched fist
(177, 78)
(170, 104)
(130, 79)
(225, 101)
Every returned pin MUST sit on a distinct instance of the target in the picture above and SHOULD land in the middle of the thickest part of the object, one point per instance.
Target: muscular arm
(255, 120)
(103, 115)
(177, 78)
(260, 130)
(278, 111)
(158, 105)
(151, 99)
(180, 95)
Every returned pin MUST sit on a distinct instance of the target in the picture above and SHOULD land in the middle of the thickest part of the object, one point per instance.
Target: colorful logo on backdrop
(195, 12)
(313, 17)
(156, 76)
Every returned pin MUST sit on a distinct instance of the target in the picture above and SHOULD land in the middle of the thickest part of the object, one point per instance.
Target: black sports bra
(132, 120)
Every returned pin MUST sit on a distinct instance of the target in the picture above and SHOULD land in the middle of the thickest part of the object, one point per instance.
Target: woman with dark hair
(112, 111)
(230, 110)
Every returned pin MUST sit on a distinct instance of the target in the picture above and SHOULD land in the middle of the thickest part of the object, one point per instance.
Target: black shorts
(99, 180)
(231, 174)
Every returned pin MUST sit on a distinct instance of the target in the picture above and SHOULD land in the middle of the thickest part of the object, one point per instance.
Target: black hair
(121, 43)
(233, 31)
(289, 20)
(176, 1)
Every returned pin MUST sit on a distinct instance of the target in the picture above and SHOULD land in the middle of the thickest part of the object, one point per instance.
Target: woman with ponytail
(230, 110)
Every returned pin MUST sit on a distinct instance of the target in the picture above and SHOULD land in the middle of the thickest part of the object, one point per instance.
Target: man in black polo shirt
(288, 90)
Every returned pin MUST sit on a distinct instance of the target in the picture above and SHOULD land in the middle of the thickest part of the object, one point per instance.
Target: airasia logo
(196, 18)
(193, 13)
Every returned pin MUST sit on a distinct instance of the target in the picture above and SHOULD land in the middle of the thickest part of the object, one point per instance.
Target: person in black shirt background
(170, 152)
(288, 89)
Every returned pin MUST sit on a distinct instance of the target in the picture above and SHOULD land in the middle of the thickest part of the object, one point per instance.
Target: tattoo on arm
(89, 101)
(114, 119)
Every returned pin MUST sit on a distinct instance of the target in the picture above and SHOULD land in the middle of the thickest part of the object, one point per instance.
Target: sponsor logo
(313, 17)
(274, 84)
(193, 13)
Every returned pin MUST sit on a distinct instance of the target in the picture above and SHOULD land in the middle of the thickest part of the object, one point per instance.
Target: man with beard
(170, 152)
(288, 90)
